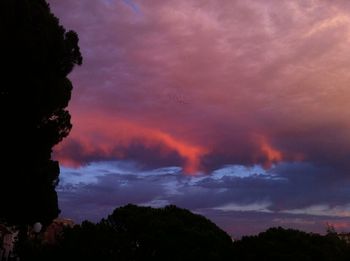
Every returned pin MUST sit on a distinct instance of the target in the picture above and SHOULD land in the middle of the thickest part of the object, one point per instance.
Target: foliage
(144, 233)
(289, 244)
(171, 233)
(37, 54)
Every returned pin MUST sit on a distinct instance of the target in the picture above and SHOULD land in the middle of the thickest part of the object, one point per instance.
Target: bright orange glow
(103, 135)
(191, 153)
(271, 154)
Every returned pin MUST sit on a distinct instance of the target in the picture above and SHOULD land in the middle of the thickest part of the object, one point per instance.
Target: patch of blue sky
(238, 171)
(90, 173)
(241, 171)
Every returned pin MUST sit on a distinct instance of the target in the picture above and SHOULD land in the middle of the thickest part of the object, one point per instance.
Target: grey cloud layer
(294, 196)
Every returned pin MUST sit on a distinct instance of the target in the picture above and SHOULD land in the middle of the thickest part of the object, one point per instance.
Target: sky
(235, 109)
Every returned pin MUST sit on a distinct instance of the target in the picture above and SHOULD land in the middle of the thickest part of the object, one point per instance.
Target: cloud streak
(99, 136)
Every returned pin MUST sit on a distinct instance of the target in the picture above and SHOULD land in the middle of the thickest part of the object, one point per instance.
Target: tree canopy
(290, 244)
(171, 233)
(37, 54)
(144, 233)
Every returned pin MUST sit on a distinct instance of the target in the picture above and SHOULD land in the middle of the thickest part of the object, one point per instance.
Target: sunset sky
(235, 109)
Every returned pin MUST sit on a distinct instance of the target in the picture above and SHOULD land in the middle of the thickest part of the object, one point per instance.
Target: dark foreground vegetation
(171, 233)
(140, 233)
(290, 244)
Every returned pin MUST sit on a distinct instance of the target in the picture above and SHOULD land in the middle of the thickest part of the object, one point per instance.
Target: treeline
(290, 244)
(172, 233)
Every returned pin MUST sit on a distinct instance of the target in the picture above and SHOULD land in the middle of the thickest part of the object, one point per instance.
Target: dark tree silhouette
(143, 233)
(37, 54)
(290, 244)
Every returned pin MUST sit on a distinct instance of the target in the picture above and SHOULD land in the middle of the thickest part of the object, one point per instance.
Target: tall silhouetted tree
(37, 54)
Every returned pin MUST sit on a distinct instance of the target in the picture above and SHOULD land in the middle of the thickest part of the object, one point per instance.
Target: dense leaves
(289, 244)
(37, 54)
(171, 233)
(144, 233)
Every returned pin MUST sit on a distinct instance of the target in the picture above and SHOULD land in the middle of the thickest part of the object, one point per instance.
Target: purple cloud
(201, 86)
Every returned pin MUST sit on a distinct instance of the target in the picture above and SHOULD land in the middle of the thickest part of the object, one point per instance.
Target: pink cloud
(203, 77)
(107, 136)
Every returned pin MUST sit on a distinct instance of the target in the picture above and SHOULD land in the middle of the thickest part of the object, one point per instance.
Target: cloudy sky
(236, 109)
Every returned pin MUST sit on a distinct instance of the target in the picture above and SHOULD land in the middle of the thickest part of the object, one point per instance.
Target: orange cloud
(106, 136)
(270, 154)
(191, 153)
